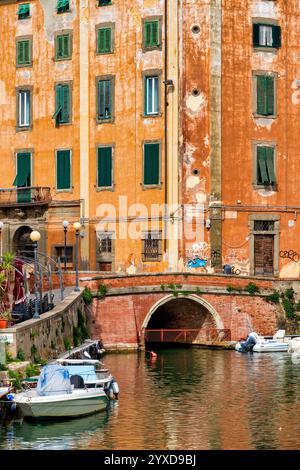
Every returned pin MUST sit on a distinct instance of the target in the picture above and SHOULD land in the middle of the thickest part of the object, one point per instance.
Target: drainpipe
(166, 127)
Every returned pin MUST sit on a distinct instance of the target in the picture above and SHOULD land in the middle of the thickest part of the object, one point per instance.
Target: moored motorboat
(56, 397)
(256, 343)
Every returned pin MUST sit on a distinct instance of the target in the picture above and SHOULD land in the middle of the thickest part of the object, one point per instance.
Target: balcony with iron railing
(27, 196)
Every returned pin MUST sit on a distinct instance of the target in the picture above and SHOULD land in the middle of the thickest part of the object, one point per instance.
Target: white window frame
(24, 108)
(152, 106)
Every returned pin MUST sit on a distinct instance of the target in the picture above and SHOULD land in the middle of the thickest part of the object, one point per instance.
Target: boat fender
(115, 387)
(10, 397)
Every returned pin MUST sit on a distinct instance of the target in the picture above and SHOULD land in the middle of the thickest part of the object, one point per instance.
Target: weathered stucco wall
(46, 337)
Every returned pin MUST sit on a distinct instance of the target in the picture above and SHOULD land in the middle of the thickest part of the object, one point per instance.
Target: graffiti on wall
(290, 254)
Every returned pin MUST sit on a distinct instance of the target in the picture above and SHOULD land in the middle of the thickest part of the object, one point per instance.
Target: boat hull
(283, 347)
(60, 407)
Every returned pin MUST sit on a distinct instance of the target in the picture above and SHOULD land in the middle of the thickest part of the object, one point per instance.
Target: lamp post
(35, 237)
(77, 227)
(65, 226)
(1, 228)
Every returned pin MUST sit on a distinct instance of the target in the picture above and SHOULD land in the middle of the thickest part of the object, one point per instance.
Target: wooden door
(264, 254)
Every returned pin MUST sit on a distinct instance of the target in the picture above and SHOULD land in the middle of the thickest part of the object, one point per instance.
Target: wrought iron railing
(187, 335)
(33, 195)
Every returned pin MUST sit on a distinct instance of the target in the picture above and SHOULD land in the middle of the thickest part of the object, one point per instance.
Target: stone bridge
(133, 305)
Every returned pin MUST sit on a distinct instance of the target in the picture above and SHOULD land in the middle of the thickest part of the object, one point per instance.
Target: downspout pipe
(166, 127)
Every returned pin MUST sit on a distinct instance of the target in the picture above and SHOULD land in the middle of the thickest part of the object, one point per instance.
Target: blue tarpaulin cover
(54, 380)
(86, 372)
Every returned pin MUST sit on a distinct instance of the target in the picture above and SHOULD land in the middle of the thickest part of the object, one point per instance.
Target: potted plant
(5, 317)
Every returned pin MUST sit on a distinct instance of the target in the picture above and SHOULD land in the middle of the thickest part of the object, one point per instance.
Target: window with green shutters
(63, 169)
(265, 166)
(105, 167)
(104, 40)
(23, 177)
(105, 99)
(62, 113)
(266, 35)
(24, 52)
(102, 3)
(151, 34)
(63, 6)
(23, 11)
(63, 46)
(151, 164)
(265, 95)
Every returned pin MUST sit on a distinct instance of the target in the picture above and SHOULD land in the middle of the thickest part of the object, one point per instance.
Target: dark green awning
(21, 178)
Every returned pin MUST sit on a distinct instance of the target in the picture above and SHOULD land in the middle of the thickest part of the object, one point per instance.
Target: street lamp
(1, 228)
(65, 226)
(77, 227)
(35, 236)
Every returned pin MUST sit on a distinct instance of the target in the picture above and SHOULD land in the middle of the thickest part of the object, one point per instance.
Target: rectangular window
(63, 46)
(60, 252)
(24, 108)
(265, 95)
(151, 34)
(102, 3)
(266, 35)
(62, 113)
(63, 169)
(151, 164)
(105, 250)
(105, 99)
(23, 11)
(151, 95)
(63, 6)
(23, 177)
(104, 167)
(265, 166)
(104, 40)
(152, 246)
(24, 52)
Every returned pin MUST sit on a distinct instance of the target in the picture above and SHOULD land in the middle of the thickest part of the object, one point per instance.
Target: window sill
(271, 188)
(62, 59)
(68, 191)
(22, 66)
(26, 18)
(145, 187)
(100, 189)
(263, 116)
(152, 116)
(152, 48)
(24, 129)
(265, 49)
(105, 121)
(105, 53)
(59, 124)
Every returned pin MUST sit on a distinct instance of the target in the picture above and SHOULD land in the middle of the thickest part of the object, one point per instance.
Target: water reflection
(185, 399)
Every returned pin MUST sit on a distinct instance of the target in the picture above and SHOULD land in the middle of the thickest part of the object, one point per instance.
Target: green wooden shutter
(107, 40)
(147, 34)
(276, 36)
(59, 47)
(155, 38)
(66, 45)
(270, 164)
(151, 164)
(269, 81)
(65, 103)
(104, 167)
(101, 40)
(23, 177)
(256, 34)
(23, 55)
(63, 169)
(261, 99)
(104, 40)
(262, 174)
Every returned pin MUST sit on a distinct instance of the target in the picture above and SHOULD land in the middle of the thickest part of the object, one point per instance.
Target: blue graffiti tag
(196, 263)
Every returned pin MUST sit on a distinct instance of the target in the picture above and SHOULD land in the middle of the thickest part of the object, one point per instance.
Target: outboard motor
(247, 346)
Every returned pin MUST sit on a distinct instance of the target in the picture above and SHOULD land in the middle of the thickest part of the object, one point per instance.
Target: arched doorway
(183, 320)
(22, 244)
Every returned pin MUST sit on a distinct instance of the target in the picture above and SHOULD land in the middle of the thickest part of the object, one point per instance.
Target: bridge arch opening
(182, 320)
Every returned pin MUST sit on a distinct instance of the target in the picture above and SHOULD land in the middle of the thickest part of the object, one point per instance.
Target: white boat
(93, 374)
(56, 397)
(256, 343)
(4, 391)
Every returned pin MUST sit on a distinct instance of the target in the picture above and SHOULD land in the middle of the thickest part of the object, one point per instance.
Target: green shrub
(87, 295)
(102, 291)
(230, 288)
(21, 356)
(288, 306)
(3, 366)
(289, 293)
(16, 377)
(80, 318)
(9, 357)
(163, 287)
(67, 344)
(273, 297)
(33, 350)
(252, 288)
(32, 370)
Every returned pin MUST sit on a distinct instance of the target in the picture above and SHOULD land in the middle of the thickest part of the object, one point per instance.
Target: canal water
(186, 399)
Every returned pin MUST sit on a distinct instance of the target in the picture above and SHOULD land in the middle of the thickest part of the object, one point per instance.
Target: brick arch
(216, 317)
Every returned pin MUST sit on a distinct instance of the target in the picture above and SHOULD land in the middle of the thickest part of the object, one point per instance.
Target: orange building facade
(167, 128)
